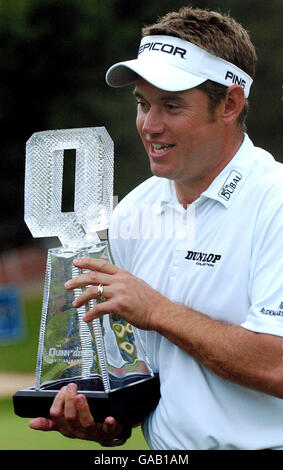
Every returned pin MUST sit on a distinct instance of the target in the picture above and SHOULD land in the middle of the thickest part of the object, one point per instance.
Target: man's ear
(233, 104)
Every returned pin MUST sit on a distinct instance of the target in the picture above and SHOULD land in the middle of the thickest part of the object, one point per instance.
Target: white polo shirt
(221, 257)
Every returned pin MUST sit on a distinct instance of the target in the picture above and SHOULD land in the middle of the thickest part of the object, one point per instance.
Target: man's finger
(70, 409)
(57, 407)
(96, 265)
(86, 279)
(111, 426)
(89, 294)
(42, 424)
(102, 308)
(84, 414)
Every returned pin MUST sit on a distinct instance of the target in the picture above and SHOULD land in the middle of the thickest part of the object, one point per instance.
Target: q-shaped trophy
(105, 357)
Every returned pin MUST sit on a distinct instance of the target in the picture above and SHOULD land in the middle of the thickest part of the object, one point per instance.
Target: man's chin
(161, 173)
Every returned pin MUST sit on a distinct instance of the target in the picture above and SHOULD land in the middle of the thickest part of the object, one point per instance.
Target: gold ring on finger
(100, 290)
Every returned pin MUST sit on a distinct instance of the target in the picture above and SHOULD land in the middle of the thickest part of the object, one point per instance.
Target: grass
(21, 356)
(15, 433)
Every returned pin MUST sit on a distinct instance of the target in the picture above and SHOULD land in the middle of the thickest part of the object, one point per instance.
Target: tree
(54, 55)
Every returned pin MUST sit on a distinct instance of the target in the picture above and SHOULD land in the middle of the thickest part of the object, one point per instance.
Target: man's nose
(153, 123)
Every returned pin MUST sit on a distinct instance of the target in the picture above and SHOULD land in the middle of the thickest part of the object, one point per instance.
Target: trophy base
(129, 404)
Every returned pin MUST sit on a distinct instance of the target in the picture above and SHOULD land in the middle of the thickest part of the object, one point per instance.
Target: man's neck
(189, 191)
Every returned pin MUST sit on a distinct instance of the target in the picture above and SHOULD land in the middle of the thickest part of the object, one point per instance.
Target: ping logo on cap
(235, 78)
(163, 47)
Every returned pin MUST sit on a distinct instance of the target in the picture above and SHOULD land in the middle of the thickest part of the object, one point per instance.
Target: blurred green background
(54, 55)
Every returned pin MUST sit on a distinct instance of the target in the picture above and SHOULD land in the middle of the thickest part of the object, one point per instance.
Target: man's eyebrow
(137, 94)
(169, 97)
(172, 97)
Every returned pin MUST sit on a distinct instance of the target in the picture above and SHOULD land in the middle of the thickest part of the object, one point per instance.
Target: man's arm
(242, 356)
(251, 359)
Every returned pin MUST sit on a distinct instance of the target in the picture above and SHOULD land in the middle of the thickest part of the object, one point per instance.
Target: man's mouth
(161, 148)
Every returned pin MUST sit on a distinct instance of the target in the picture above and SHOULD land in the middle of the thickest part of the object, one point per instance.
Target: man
(209, 307)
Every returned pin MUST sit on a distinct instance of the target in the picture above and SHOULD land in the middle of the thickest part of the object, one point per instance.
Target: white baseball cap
(172, 64)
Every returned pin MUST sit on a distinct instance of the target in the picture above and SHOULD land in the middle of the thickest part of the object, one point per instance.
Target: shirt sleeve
(266, 272)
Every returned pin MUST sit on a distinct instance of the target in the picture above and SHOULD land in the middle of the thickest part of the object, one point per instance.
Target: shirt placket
(182, 240)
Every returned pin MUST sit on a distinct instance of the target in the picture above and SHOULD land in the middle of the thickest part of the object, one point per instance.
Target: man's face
(183, 140)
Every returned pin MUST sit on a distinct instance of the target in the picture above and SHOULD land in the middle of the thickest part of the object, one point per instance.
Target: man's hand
(126, 295)
(70, 415)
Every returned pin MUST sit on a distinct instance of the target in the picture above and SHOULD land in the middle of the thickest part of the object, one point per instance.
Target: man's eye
(171, 107)
(140, 103)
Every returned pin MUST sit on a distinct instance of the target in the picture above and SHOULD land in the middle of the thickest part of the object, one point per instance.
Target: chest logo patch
(230, 185)
(203, 259)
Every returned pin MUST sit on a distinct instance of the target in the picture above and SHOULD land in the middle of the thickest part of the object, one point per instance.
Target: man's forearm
(248, 358)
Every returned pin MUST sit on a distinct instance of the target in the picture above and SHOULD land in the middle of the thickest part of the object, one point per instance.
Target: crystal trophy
(104, 357)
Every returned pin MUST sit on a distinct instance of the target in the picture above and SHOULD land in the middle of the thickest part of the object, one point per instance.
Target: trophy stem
(98, 335)
(43, 322)
(85, 335)
(144, 351)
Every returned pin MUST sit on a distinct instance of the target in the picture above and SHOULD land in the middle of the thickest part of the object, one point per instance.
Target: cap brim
(159, 74)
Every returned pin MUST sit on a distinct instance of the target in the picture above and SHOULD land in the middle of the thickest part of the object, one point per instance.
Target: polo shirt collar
(224, 188)
(168, 197)
(230, 181)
